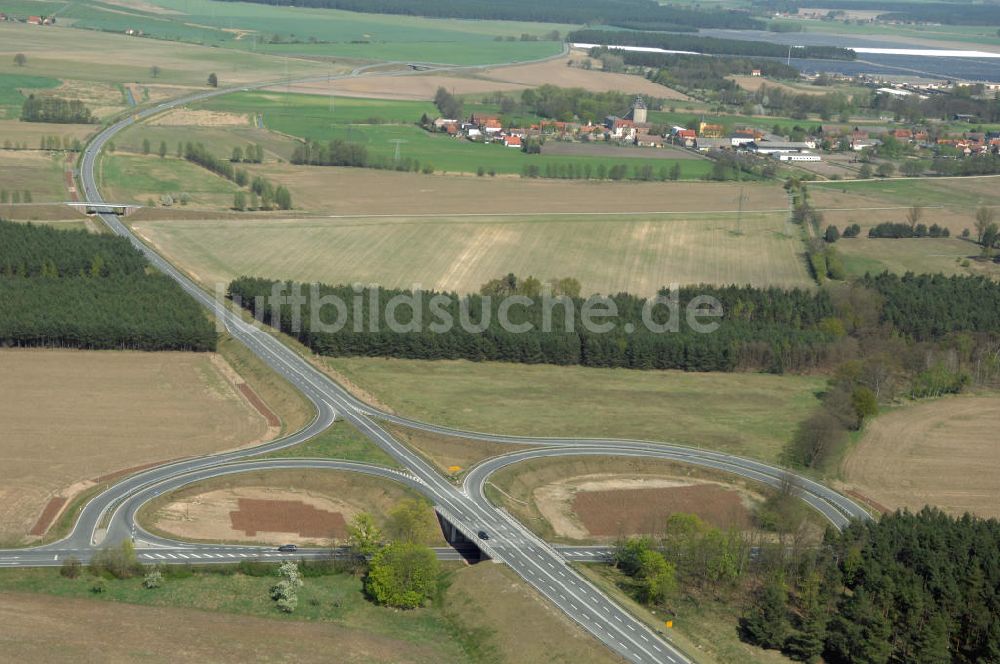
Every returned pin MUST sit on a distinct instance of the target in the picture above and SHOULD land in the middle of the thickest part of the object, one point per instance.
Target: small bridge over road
(121, 209)
(465, 541)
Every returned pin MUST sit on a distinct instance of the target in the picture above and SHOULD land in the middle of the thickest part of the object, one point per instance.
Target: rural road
(544, 567)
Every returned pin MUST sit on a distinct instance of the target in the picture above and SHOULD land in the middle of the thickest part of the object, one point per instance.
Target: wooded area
(905, 589)
(767, 329)
(56, 110)
(79, 290)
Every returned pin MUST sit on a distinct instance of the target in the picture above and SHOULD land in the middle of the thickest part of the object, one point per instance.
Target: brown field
(612, 236)
(184, 116)
(506, 79)
(356, 191)
(103, 99)
(39, 628)
(85, 55)
(308, 507)
(633, 508)
(41, 173)
(88, 414)
(52, 213)
(31, 133)
(940, 452)
(287, 516)
(755, 83)
(520, 626)
(600, 498)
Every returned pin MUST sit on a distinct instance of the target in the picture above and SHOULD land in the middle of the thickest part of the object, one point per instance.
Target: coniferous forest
(79, 290)
(761, 329)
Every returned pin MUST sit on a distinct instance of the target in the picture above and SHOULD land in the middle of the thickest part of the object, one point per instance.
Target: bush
(153, 579)
(71, 567)
(99, 586)
(402, 575)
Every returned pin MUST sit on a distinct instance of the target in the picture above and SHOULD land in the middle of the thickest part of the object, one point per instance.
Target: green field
(946, 255)
(335, 599)
(139, 178)
(607, 254)
(747, 414)
(339, 441)
(950, 192)
(970, 34)
(320, 32)
(11, 85)
(731, 121)
(309, 116)
(220, 140)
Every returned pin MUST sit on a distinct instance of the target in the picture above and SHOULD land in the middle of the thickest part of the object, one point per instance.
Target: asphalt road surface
(110, 517)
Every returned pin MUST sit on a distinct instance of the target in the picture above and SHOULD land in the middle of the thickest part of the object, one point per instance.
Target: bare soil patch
(606, 505)
(287, 516)
(51, 511)
(600, 498)
(72, 415)
(307, 507)
(259, 405)
(608, 513)
(187, 117)
(942, 453)
(39, 628)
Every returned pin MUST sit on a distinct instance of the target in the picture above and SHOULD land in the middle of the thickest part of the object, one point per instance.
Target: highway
(110, 516)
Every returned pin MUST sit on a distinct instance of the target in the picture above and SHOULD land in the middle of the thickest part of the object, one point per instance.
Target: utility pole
(398, 142)
(739, 212)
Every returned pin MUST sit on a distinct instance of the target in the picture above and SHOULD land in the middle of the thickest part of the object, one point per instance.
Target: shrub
(153, 579)
(71, 567)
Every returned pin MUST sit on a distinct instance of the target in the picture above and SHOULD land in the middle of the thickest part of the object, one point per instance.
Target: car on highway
(483, 535)
(288, 548)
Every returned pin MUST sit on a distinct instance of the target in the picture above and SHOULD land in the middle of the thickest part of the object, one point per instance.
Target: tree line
(339, 152)
(263, 194)
(707, 45)
(80, 290)
(769, 329)
(56, 110)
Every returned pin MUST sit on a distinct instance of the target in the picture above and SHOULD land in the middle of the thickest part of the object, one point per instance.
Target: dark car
(483, 535)
(288, 548)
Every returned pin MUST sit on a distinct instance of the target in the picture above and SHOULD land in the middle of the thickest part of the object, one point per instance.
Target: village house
(686, 137)
(620, 129)
(512, 141)
(711, 130)
(645, 139)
